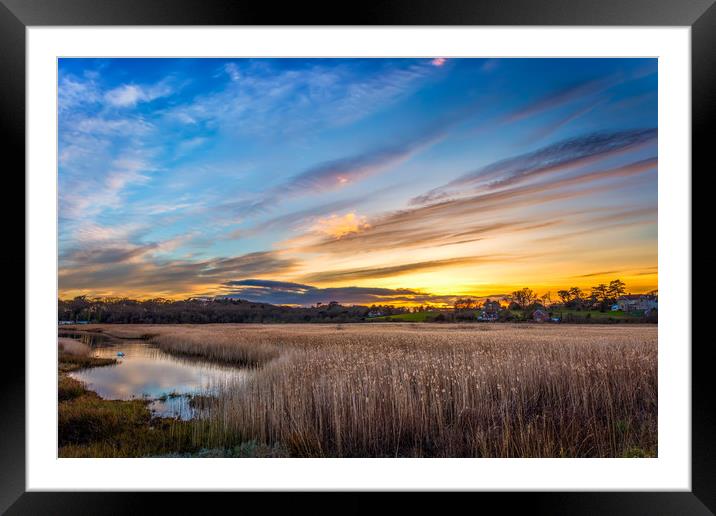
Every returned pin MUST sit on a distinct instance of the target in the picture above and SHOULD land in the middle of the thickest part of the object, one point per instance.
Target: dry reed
(72, 347)
(430, 390)
(448, 391)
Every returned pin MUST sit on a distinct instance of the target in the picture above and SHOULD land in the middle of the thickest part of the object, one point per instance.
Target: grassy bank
(75, 355)
(92, 427)
(424, 390)
(565, 315)
(410, 317)
(89, 426)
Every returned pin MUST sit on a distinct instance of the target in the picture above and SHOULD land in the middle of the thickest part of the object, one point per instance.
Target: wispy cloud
(611, 223)
(129, 95)
(569, 94)
(342, 172)
(396, 270)
(338, 226)
(453, 220)
(299, 218)
(106, 268)
(562, 121)
(557, 157)
(78, 201)
(112, 126)
(600, 273)
(73, 92)
(266, 100)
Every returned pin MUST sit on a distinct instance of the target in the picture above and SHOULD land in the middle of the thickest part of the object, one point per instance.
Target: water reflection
(148, 372)
(89, 338)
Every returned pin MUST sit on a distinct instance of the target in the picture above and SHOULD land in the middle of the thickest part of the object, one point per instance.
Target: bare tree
(616, 288)
(600, 292)
(564, 296)
(546, 299)
(524, 297)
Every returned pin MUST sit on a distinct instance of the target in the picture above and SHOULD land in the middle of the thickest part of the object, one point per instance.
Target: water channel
(145, 371)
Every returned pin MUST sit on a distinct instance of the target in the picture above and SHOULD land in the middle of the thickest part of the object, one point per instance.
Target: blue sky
(357, 180)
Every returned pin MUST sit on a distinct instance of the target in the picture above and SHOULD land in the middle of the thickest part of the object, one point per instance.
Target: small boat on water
(120, 353)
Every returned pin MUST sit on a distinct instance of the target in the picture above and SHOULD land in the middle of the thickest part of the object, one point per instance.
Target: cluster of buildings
(634, 302)
(645, 303)
(490, 311)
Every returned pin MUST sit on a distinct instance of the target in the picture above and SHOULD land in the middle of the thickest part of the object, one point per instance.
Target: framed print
(420, 249)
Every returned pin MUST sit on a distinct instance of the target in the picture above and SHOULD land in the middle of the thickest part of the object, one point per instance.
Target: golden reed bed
(428, 390)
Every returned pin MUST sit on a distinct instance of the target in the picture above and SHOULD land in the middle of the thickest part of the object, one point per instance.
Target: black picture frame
(17, 15)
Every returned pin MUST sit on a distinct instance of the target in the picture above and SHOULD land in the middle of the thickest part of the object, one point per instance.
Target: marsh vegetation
(405, 390)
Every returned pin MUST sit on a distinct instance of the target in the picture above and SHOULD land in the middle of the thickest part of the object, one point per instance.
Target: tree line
(600, 297)
(201, 311)
(226, 310)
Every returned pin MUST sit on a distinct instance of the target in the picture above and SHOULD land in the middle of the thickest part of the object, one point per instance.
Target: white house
(633, 302)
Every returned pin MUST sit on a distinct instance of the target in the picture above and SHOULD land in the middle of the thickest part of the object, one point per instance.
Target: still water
(147, 372)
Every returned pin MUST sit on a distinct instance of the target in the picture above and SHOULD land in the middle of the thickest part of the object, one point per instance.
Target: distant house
(490, 311)
(627, 303)
(202, 299)
(491, 307)
(632, 302)
(487, 316)
(615, 307)
(375, 313)
(66, 322)
(540, 316)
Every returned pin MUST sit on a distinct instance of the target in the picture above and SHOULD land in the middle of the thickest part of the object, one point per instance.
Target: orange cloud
(337, 226)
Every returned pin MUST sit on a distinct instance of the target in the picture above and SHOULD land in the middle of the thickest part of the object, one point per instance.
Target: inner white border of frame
(670, 471)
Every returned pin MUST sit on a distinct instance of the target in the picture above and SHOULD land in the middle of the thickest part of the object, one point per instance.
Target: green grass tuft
(411, 317)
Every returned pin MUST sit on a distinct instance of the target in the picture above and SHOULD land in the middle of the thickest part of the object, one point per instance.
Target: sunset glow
(362, 181)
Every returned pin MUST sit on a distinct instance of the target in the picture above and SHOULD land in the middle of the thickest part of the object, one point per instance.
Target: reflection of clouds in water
(148, 371)
(173, 407)
(143, 376)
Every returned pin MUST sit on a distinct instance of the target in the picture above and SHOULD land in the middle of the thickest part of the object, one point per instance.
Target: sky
(362, 181)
